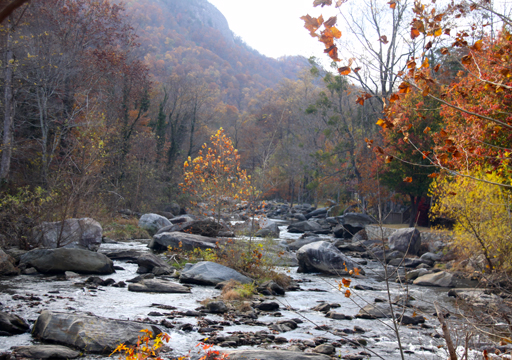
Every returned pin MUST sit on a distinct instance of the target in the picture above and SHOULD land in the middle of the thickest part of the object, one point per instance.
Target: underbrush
(124, 229)
(255, 260)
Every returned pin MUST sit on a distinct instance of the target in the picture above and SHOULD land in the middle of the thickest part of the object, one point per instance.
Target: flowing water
(27, 295)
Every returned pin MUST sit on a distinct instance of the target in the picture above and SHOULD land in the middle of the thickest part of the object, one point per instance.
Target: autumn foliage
(215, 177)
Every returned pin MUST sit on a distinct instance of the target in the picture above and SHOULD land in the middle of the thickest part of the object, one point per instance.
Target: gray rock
(326, 349)
(407, 262)
(374, 311)
(406, 240)
(88, 333)
(431, 257)
(413, 274)
(210, 273)
(261, 354)
(351, 224)
(149, 261)
(12, 324)
(271, 230)
(158, 286)
(303, 226)
(123, 254)
(442, 279)
(60, 260)
(297, 244)
(317, 212)
(216, 307)
(82, 233)
(7, 265)
(153, 222)
(188, 242)
(323, 256)
(268, 306)
(45, 352)
(203, 227)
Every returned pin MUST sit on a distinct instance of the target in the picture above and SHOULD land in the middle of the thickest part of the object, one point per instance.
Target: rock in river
(11, 324)
(61, 260)
(153, 222)
(322, 256)
(406, 240)
(158, 286)
(88, 333)
(45, 352)
(442, 278)
(82, 233)
(188, 242)
(210, 273)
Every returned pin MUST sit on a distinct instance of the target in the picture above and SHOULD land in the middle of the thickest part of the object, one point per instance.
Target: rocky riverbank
(93, 312)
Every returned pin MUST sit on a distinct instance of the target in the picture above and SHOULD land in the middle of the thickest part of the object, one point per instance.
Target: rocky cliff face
(202, 12)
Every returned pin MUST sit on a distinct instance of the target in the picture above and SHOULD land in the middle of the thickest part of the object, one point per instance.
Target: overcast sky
(273, 27)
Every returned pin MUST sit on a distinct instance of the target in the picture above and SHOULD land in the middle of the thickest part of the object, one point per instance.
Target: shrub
(482, 214)
(124, 229)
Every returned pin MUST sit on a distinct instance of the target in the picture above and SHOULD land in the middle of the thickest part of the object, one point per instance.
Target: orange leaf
(392, 4)
(444, 51)
(346, 282)
(388, 159)
(383, 39)
(408, 179)
(357, 69)
(425, 91)
(414, 33)
(438, 32)
(335, 32)
(427, 129)
(330, 22)
(345, 70)
(477, 46)
(357, 271)
(436, 68)
(347, 293)
(433, 175)
(466, 60)
(404, 88)
(394, 98)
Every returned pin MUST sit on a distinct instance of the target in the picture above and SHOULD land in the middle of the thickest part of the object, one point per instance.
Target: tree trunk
(414, 209)
(9, 108)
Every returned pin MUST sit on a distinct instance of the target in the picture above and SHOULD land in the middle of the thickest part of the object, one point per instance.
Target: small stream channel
(27, 295)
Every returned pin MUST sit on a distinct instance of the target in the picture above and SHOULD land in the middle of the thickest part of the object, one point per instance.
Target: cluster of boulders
(70, 248)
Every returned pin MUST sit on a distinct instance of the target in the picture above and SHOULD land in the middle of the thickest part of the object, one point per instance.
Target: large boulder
(148, 262)
(11, 324)
(271, 230)
(82, 233)
(203, 227)
(406, 240)
(350, 224)
(210, 273)
(303, 226)
(187, 242)
(297, 244)
(322, 256)
(442, 279)
(7, 265)
(88, 333)
(261, 354)
(317, 212)
(45, 352)
(153, 222)
(61, 260)
(158, 286)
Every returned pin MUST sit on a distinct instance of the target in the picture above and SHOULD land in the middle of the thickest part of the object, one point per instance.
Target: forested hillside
(104, 102)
